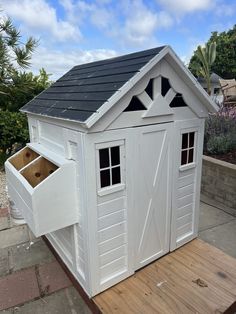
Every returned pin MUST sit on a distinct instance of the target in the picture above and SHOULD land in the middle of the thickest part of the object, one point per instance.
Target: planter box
(37, 181)
(219, 181)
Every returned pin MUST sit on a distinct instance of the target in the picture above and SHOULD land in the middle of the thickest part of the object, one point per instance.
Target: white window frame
(193, 163)
(115, 187)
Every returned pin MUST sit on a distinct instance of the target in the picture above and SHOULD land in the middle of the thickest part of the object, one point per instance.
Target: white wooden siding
(69, 242)
(112, 223)
(64, 239)
(108, 223)
(112, 238)
(186, 186)
(51, 136)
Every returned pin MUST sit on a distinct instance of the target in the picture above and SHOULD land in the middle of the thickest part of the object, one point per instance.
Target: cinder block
(219, 181)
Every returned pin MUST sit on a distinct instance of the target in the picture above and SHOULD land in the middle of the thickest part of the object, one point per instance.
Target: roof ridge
(117, 58)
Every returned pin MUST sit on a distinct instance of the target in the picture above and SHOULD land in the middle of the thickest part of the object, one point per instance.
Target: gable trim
(176, 63)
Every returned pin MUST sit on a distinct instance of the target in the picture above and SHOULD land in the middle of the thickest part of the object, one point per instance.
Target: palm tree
(206, 56)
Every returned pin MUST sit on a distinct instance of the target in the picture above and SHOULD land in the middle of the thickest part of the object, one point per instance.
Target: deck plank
(166, 285)
(213, 255)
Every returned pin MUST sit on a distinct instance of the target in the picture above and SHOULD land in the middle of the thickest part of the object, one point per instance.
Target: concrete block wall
(219, 181)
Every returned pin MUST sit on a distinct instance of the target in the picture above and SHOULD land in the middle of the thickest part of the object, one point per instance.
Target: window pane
(184, 157)
(184, 140)
(115, 155)
(165, 85)
(116, 175)
(190, 156)
(191, 139)
(104, 157)
(149, 89)
(178, 101)
(105, 178)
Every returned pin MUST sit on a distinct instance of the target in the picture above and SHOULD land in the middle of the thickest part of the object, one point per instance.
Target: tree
(14, 54)
(23, 87)
(17, 87)
(206, 57)
(13, 132)
(225, 62)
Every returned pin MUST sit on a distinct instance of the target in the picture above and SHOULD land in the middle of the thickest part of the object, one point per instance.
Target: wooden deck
(167, 285)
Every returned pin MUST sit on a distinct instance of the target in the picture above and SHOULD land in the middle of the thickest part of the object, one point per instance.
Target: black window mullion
(110, 166)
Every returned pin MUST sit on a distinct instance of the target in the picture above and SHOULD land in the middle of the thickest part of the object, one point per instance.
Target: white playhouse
(112, 172)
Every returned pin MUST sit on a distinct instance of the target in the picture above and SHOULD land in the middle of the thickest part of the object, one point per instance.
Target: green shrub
(220, 132)
(3, 158)
(13, 131)
(221, 144)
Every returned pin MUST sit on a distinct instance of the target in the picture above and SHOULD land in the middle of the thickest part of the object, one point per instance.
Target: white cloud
(103, 1)
(102, 18)
(164, 20)
(39, 15)
(57, 62)
(186, 6)
(193, 43)
(225, 9)
(140, 24)
(77, 11)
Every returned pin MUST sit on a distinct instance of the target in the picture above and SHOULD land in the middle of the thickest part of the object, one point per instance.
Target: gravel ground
(3, 193)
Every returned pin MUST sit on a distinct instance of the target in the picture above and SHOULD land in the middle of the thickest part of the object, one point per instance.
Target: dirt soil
(3, 192)
(229, 157)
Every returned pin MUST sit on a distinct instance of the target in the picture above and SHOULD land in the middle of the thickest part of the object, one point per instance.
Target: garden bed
(227, 157)
(220, 135)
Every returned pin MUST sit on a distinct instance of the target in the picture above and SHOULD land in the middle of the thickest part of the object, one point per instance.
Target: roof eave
(82, 123)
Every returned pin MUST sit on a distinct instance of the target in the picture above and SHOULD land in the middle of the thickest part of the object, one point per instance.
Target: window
(149, 89)
(110, 166)
(178, 101)
(135, 105)
(165, 86)
(187, 151)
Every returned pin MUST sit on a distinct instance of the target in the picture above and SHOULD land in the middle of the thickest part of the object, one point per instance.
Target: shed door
(152, 193)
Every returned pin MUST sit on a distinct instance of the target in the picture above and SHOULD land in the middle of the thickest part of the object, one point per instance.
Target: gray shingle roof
(85, 88)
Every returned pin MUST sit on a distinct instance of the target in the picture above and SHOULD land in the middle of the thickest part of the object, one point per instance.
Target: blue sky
(77, 31)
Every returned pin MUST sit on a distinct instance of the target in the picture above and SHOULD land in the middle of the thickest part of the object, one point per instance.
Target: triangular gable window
(165, 86)
(135, 105)
(149, 89)
(178, 101)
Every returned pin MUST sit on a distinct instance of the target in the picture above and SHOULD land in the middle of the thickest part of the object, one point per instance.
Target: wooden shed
(112, 172)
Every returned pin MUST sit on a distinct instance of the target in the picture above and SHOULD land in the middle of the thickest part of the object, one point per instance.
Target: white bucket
(15, 213)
